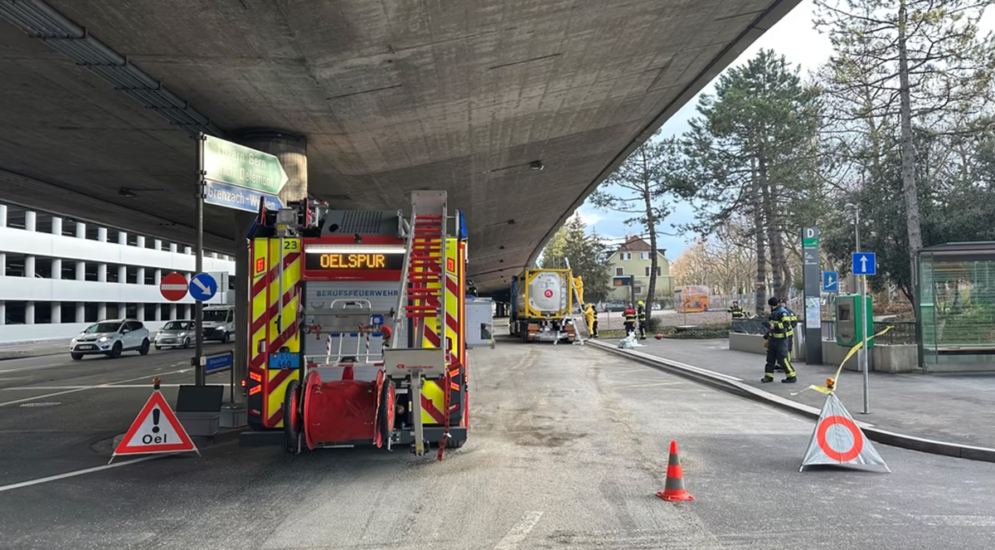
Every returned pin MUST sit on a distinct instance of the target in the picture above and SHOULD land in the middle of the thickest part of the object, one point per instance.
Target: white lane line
(519, 531)
(100, 387)
(74, 474)
(37, 397)
(36, 367)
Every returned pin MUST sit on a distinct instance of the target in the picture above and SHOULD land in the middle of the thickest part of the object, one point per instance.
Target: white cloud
(589, 216)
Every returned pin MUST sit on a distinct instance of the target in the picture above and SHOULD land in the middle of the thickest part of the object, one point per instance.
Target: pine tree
(637, 188)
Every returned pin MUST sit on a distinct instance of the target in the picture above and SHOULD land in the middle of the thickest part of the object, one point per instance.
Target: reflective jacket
(779, 323)
(630, 315)
(737, 312)
(641, 312)
(791, 320)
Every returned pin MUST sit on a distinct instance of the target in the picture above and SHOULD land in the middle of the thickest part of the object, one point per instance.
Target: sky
(795, 37)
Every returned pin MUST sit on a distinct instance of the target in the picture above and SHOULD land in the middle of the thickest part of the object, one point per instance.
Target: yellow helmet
(641, 303)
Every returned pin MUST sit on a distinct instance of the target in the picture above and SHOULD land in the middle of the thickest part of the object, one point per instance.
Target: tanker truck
(542, 306)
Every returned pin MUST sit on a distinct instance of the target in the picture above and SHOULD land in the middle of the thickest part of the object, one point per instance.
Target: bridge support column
(291, 149)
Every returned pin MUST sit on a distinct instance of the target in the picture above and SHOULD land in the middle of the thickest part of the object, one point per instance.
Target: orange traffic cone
(674, 488)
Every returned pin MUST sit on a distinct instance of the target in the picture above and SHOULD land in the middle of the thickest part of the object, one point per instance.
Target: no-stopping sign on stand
(838, 440)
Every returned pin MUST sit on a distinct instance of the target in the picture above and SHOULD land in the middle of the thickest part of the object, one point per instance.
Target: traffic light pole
(200, 376)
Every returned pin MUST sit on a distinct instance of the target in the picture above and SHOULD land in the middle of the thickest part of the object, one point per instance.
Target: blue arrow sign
(864, 263)
(830, 281)
(203, 287)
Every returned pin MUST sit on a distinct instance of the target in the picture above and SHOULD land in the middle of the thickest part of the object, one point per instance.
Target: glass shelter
(957, 307)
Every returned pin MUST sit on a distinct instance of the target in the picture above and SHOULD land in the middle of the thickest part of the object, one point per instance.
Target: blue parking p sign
(864, 263)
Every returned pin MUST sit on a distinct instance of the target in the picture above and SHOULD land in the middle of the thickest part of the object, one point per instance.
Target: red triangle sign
(156, 430)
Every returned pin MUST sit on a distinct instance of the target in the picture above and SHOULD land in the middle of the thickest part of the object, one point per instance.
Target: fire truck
(356, 326)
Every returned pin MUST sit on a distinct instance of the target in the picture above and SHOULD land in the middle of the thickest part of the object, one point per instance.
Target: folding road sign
(838, 440)
(156, 430)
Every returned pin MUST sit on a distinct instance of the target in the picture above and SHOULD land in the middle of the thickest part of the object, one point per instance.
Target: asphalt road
(568, 446)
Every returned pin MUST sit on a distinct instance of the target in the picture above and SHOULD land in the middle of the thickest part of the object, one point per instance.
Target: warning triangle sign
(156, 430)
(839, 441)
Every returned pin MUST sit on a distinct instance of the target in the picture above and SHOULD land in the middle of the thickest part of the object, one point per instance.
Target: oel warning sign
(156, 430)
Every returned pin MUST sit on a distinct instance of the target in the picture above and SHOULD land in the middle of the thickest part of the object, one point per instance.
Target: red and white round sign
(173, 287)
(548, 293)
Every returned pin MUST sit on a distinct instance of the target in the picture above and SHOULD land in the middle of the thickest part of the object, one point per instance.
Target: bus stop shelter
(957, 307)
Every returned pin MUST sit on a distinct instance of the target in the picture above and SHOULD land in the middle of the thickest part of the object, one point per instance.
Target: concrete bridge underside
(392, 96)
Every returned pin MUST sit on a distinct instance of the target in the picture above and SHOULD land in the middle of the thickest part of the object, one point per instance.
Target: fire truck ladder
(422, 301)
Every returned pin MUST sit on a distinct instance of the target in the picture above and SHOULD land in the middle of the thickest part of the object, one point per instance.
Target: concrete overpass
(99, 99)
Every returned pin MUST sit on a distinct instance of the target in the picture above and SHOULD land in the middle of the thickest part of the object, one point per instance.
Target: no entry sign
(173, 287)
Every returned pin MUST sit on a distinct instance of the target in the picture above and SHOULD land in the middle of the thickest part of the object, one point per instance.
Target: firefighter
(792, 320)
(592, 320)
(736, 311)
(778, 352)
(641, 314)
(777, 343)
(630, 319)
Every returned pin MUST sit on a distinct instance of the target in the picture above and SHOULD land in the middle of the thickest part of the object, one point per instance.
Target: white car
(110, 338)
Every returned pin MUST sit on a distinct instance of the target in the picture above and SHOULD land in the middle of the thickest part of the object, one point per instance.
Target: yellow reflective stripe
(433, 392)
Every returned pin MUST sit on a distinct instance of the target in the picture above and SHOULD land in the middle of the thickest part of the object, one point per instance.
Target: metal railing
(901, 333)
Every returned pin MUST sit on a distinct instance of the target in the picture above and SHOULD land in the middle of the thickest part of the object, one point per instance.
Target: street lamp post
(862, 355)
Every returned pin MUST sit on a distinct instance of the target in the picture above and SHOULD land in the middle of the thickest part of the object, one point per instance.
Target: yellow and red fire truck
(356, 326)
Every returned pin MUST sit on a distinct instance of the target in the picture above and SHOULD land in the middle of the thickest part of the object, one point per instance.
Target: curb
(734, 385)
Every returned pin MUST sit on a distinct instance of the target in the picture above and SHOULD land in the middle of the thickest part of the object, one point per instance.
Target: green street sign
(231, 163)
(809, 243)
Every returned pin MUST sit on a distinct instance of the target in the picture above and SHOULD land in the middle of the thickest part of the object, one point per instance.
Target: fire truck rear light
(245, 382)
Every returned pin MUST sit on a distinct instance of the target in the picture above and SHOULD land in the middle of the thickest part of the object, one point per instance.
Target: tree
(906, 64)
(751, 158)
(637, 188)
(587, 255)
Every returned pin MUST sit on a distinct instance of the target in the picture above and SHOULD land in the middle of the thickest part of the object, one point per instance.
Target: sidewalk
(39, 348)
(956, 408)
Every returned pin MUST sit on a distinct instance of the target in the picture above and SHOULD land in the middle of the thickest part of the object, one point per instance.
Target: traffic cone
(674, 489)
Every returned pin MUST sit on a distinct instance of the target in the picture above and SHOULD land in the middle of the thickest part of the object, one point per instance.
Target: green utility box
(850, 318)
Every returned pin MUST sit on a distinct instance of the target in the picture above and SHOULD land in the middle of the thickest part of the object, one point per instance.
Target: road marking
(36, 367)
(74, 474)
(74, 390)
(100, 387)
(519, 531)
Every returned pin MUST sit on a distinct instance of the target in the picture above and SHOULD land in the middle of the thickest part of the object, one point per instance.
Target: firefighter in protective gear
(777, 344)
(592, 320)
(792, 319)
(641, 314)
(736, 311)
(630, 319)
(578, 283)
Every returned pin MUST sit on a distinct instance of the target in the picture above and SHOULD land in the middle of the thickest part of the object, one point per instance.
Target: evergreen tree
(586, 254)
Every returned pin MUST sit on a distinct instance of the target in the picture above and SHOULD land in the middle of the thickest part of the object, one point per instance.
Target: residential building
(633, 257)
(59, 275)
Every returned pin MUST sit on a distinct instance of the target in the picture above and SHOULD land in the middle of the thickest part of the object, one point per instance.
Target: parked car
(175, 334)
(111, 337)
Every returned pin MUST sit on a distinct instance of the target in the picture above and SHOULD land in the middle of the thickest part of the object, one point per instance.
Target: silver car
(175, 334)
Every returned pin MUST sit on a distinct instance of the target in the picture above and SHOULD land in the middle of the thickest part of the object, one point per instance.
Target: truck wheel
(292, 421)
